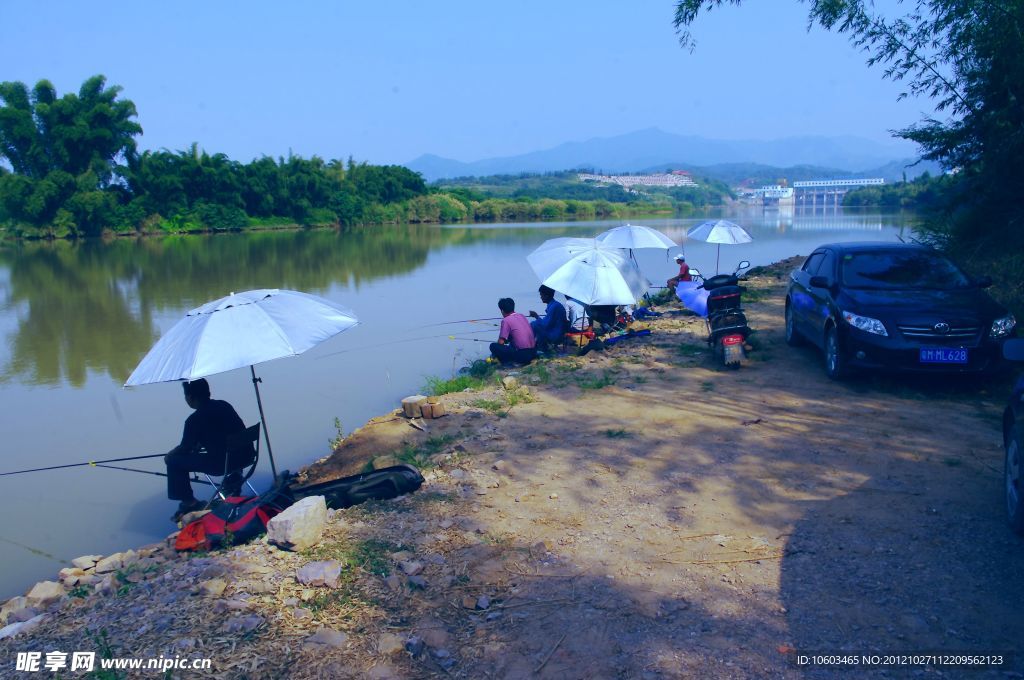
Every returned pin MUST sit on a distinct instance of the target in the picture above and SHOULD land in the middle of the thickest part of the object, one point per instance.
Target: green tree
(91, 130)
(64, 153)
(967, 56)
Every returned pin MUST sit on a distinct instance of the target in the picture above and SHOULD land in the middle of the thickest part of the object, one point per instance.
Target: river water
(77, 317)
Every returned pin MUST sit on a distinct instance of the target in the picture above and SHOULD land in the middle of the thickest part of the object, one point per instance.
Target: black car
(1013, 443)
(894, 306)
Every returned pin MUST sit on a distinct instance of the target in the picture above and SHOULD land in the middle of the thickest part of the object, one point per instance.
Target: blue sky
(386, 81)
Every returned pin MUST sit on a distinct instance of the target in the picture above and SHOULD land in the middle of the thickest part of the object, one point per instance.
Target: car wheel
(793, 338)
(835, 362)
(1014, 483)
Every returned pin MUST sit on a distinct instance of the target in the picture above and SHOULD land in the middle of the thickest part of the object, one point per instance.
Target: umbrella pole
(266, 435)
(717, 256)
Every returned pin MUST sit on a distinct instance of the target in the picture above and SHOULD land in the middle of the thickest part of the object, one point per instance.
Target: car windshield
(901, 269)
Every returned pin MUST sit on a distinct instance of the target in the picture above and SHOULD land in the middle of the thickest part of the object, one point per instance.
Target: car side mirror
(744, 264)
(1013, 349)
(820, 282)
(983, 281)
(694, 271)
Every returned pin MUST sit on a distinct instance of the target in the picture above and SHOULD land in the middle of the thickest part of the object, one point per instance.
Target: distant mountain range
(654, 149)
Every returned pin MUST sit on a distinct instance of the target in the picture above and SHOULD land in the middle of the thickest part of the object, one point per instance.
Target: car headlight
(865, 323)
(1002, 327)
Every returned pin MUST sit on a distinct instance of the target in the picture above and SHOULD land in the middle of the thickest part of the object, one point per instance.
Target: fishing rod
(93, 463)
(193, 479)
(400, 341)
(448, 323)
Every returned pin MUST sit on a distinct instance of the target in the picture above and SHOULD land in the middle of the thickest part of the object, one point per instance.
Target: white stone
(390, 644)
(86, 561)
(109, 564)
(326, 573)
(12, 605)
(21, 627)
(300, 526)
(69, 576)
(44, 593)
(106, 585)
(326, 637)
(213, 588)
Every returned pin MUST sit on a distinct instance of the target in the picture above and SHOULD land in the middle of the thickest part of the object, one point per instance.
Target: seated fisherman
(550, 328)
(605, 317)
(579, 320)
(516, 343)
(203, 446)
(684, 273)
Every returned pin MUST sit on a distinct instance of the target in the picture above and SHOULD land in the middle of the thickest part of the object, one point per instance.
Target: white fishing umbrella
(635, 237)
(240, 330)
(719, 231)
(589, 271)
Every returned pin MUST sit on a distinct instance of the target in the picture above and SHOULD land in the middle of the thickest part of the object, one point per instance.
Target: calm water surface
(76, 318)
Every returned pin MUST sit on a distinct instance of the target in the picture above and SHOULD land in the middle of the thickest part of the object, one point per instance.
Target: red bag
(235, 520)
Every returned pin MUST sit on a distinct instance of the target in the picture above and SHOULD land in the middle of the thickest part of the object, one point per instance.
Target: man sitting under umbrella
(203, 446)
(684, 273)
(516, 343)
(552, 327)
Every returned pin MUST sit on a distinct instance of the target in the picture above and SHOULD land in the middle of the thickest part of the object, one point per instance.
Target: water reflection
(90, 306)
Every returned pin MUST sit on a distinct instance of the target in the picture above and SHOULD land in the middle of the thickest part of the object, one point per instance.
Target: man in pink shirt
(516, 343)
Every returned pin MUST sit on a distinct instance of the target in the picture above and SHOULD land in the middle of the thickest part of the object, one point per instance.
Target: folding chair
(242, 450)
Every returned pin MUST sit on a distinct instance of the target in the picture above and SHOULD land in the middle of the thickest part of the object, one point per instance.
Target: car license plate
(943, 355)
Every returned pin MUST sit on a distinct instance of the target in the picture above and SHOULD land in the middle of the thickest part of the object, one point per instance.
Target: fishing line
(94, 463)
(193, 479)
(397, 342)
(448, 323)
(34, 551)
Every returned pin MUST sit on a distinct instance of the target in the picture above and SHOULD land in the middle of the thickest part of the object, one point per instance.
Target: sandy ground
(636, 513)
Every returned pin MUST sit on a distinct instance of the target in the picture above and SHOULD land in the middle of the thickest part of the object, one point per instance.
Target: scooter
(727, 324)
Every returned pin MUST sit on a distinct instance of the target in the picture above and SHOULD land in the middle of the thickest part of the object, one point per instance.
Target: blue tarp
(694, 299)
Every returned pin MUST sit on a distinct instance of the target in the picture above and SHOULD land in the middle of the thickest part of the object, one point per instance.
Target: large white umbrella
(719, 231)
(240, 330)
(589, 271)
(635, 237)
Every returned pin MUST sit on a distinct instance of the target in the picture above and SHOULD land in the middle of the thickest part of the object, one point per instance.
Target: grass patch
(437, 386)
(471, 377)
(331, 600)
(755, 294)
(687, 349)
(419, 455)
(339, 435)
(80, 591)
(617, 434)
(707, 386)
(596, 382)
(569, 366)
(518, 396)
(640, 379)
(370, 555)
(539, 371)
(493, 405)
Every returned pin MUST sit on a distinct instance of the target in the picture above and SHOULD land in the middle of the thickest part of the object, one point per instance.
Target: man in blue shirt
(551, 327)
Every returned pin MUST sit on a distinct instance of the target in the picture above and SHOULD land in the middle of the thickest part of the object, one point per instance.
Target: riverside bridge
(829, 191)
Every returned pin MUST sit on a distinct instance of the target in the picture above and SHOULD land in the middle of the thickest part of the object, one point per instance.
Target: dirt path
(647, 515)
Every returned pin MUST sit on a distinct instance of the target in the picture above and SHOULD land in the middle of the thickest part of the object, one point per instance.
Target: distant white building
(776, 192)
(676, 178)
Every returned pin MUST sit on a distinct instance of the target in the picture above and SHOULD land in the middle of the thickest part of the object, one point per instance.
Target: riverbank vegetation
(73, 169)
(967, 58)
(926, 194)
